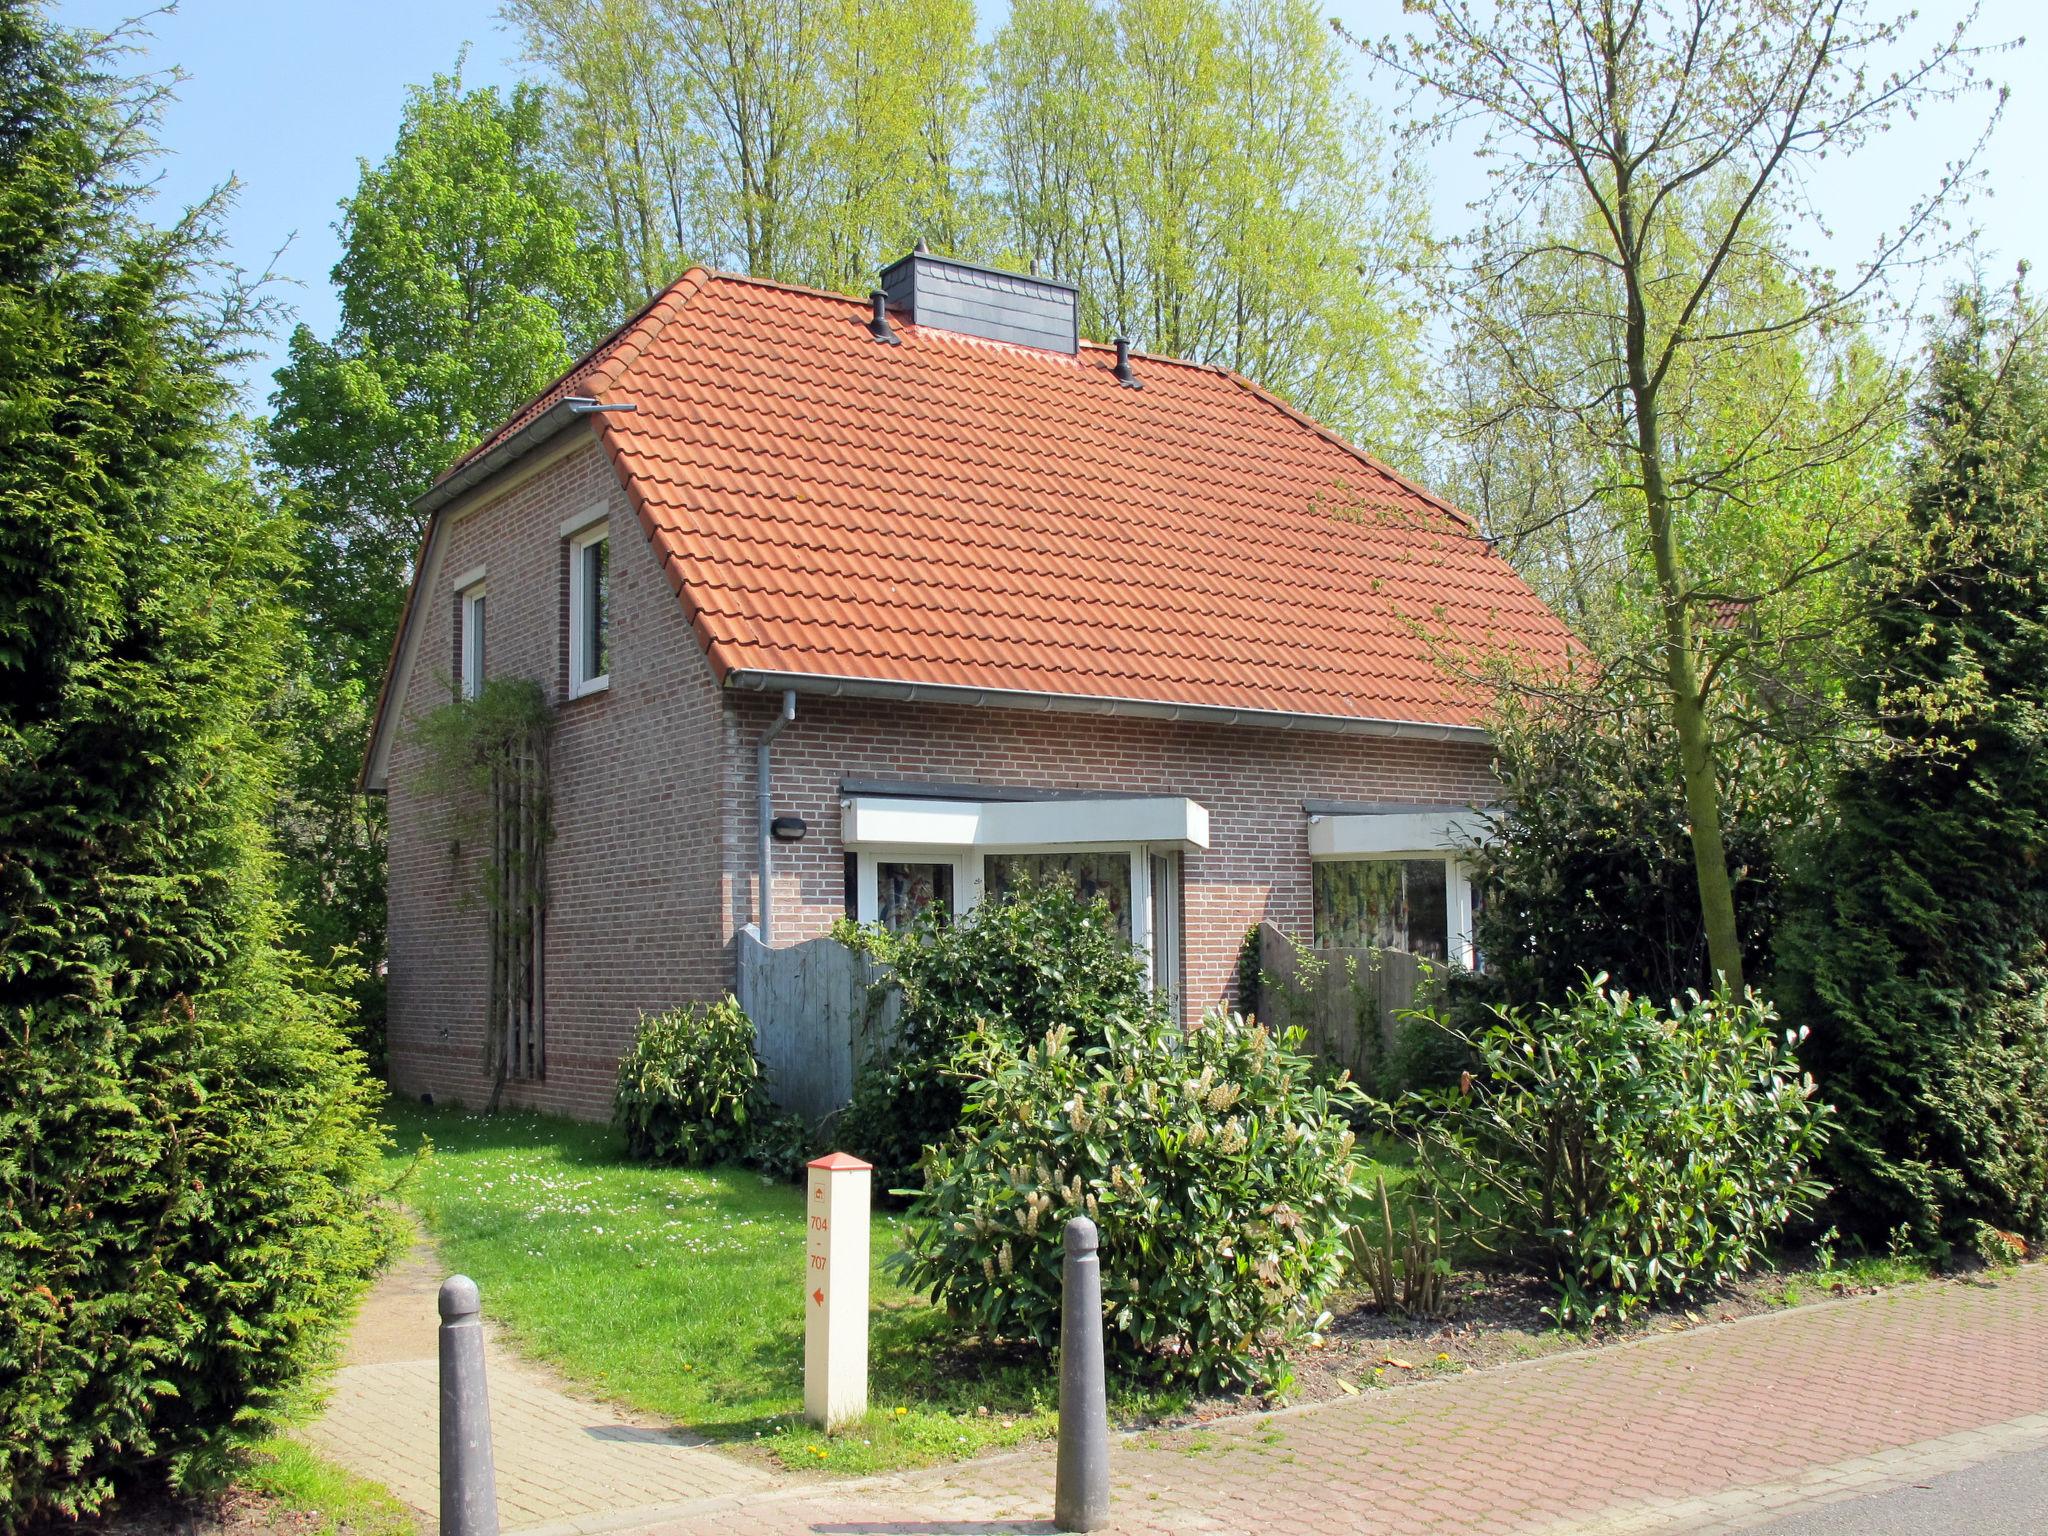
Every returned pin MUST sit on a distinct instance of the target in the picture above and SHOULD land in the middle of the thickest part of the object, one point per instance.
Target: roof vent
(1124, 375)
(879, 326)
(943, 294)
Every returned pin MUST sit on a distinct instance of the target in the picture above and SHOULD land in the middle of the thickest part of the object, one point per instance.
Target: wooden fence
(1349, 1000)
(819, 1010)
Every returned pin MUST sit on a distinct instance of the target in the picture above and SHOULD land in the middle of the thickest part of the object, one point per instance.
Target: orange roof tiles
(967, 513)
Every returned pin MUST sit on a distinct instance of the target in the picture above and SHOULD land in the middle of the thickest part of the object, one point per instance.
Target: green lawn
(339, 1503)
(680, 1292)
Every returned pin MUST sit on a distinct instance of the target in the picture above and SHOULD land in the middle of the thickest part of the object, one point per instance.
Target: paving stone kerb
(1713, 1429)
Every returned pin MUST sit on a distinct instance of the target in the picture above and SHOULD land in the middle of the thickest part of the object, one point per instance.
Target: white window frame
(598, 532)
(970, 888)
(475, 637)
(1458, 943)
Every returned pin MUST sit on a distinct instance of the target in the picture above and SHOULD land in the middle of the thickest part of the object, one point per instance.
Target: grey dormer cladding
(958, 296)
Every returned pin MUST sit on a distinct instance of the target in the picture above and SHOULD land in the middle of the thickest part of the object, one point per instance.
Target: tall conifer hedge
(184, 1136)
(1919, 952)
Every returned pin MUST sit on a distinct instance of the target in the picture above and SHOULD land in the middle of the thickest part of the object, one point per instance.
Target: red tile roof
(966, 513)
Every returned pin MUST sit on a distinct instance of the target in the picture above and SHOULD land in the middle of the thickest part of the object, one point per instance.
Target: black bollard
(1080, 1500)
(469, 1486)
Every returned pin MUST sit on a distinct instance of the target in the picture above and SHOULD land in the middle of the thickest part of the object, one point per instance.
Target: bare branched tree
(1648, 159)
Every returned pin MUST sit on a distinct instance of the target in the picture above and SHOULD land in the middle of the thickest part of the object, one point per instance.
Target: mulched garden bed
(238, 1512)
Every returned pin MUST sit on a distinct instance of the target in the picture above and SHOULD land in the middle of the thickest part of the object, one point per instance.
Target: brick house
(982, 598)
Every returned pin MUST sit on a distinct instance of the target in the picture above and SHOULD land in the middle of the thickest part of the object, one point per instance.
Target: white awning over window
(890, 821)
(1365, 834)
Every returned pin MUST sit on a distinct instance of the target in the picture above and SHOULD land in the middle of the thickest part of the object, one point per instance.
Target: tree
(1684, 131)
(1200, 168)
(1585, 869)
(805, 141)
(465, 285)
(1918, 954)
(185, 1138)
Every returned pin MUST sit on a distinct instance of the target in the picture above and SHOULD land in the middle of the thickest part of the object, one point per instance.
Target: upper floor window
(471, 654)
(589, 611)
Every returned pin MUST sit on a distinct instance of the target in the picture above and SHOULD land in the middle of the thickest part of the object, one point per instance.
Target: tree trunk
(1681, 672)
(1688, 711)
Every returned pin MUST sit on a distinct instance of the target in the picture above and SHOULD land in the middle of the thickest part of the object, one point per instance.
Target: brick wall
(652, 869)
(644, 796)
(1252, 781)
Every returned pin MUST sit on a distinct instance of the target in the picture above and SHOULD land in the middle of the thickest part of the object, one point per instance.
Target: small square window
(902, 890)
(472, 680)
(589, 612)
(1383, 904)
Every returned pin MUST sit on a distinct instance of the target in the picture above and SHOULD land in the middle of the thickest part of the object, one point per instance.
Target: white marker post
(836, 1290)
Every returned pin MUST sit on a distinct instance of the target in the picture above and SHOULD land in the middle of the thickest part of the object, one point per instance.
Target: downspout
(763, 806)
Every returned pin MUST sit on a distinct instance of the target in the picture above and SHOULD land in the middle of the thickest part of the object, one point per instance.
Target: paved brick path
(559, 1457)
(1715, 1429)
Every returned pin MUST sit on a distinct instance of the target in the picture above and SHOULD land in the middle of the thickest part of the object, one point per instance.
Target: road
(2007, 1496)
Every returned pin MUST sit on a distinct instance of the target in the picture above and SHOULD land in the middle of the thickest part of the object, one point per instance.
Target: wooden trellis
(516, 1039)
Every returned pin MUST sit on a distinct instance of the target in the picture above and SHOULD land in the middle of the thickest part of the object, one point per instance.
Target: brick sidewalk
(1715, 1429)
(1712, 1430)
(559, 1457)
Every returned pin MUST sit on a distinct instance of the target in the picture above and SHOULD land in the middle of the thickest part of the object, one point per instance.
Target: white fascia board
(1420, 832)
(885, 821)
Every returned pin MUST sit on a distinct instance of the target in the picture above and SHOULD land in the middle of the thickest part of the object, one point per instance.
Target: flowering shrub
(1634, 1155)
(691, 1091)
(1215, 1162)
(1027, 960)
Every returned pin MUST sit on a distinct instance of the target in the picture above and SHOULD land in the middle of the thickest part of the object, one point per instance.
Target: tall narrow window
(473, 641)
(589, 615)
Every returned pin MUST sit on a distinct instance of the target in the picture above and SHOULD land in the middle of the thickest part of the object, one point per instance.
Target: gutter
(792, 683)
(764, 809)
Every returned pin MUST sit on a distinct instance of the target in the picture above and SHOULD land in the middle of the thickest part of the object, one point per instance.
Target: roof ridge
(620, 349)
(1456, 514)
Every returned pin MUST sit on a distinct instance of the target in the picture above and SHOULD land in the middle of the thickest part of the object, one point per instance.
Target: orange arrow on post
(818, 1297)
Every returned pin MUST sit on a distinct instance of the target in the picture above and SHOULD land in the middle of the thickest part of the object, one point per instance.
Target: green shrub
(1587, 864)
(185, 1138)
(1917, 953)
(1428, 1054)
(692, 1092)
(1033, 959)
(1216, 1161)
(1633, 1155)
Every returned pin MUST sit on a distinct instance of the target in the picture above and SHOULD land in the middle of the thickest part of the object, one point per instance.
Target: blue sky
(287, 97)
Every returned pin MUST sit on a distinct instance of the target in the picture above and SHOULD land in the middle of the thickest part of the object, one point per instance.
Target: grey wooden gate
(1350, 1001)
(819, 1010)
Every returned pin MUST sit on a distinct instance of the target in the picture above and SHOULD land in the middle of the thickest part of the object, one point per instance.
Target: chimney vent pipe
(1124, 376)
(878, 325)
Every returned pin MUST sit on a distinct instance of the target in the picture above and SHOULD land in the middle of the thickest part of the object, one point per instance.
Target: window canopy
(896, 821)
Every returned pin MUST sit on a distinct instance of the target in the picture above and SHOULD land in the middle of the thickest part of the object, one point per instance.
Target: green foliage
(1201, 168)
(1216, 1162)
(464, 748)
(1918, 955)
(1205, 172)
(692, 1092)
(463, 285)
(805, 142)
(1034, 958)
(1633, 1155)
(1588, 866)
(185, 1138)
(1427, 1052)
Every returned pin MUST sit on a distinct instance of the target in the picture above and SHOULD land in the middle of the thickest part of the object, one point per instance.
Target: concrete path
(560, 1458)
(1717, 1429)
